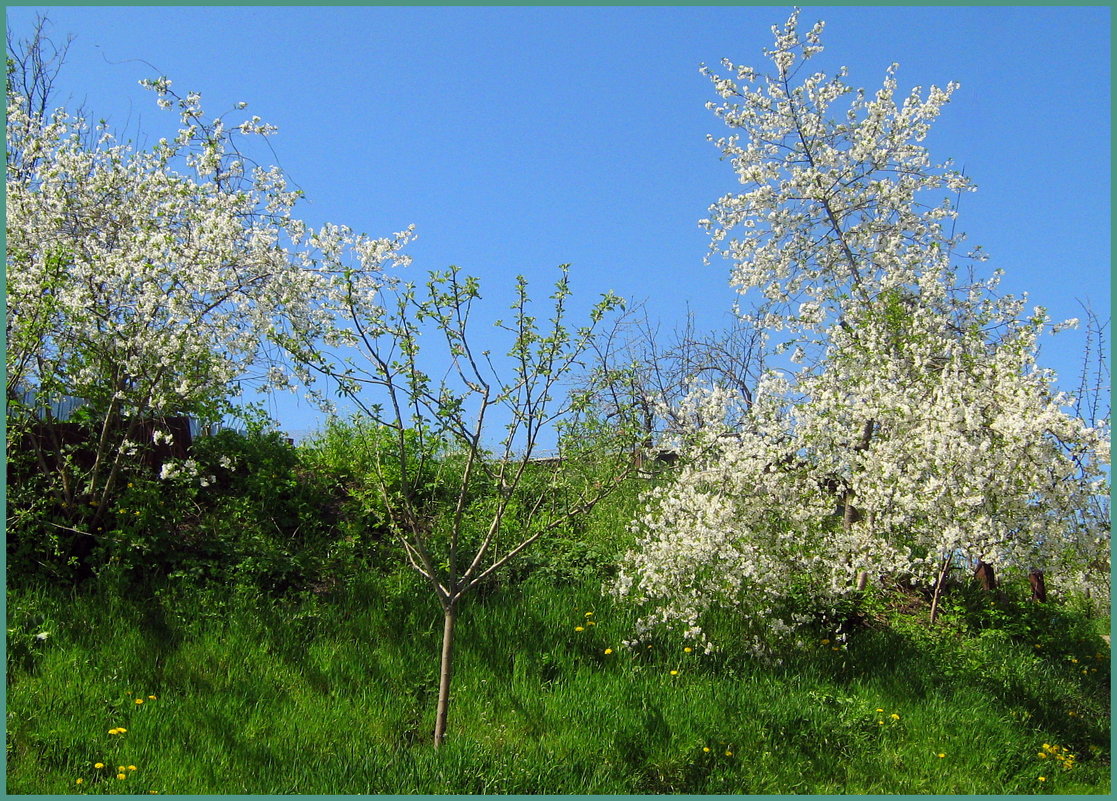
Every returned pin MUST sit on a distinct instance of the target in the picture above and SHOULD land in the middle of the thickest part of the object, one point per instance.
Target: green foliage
(588, 547)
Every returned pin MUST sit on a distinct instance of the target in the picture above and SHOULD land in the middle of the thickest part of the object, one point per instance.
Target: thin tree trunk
(450, 612)
(938, 589)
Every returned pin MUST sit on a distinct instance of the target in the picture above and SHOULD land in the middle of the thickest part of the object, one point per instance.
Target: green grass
(332, 696)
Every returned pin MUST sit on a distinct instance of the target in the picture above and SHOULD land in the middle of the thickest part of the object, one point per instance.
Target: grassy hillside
(335, 694)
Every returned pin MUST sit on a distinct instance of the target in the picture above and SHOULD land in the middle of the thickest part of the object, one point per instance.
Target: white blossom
(924, 430)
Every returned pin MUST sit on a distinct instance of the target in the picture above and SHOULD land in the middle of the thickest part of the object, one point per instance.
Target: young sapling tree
(497, 498)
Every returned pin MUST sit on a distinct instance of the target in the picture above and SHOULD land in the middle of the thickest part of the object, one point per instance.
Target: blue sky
(518, 139)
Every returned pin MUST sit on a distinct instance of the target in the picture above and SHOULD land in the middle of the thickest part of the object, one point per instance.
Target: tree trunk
(984, 574)
(1039, 587)
(450, 613)
(938, 589)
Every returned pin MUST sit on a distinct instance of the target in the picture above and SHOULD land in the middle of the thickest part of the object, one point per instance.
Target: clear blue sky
(517, 139)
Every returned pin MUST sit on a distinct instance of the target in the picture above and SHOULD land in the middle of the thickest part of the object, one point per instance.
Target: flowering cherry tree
(149, 282)
(912, 427)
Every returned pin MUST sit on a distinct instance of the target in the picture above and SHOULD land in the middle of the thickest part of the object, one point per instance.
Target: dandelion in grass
(940, 756)
(121, 776)
(1043, 778)
(139, 700)
(674, 673)
(608, 651)
(578, 628)
(894, 716)
(687, 650)
(131, 767)
(729, 753)
(706, 749)
(879, 709)
(152, 697)
(80, 781)
(590, 623)
(589, 614)
(825, 641)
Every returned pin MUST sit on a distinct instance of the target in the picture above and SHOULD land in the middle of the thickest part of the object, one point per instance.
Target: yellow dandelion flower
(608, 650)
(706, 749)
(137, 513)
(131, 767)
(79, 781)
(1074, 661)
(121, 776)
(589, 614)
(1042, 755)
(687, 650)
(674, 673)
(879, 709)
(139, 700)
(825, 641)
(1043, 778)
(729, 753)
(881, 722)
(894, 716)
(941, 756)
(578, 628)
(152, 697)
(590, 623)
(99, 765)
(120, 768)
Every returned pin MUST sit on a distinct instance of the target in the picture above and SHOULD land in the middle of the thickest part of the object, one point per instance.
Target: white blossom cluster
(924, 430)
(151, 279)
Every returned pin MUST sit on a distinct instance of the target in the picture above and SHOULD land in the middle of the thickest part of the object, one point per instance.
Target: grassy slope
(338, 697)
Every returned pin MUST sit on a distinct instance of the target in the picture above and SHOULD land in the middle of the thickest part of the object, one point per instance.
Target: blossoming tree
(150, 282)
(912, 426)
